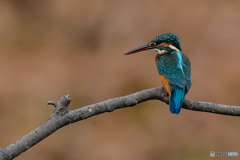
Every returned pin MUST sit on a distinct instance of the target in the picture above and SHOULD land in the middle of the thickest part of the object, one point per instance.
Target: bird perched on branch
(173, 66)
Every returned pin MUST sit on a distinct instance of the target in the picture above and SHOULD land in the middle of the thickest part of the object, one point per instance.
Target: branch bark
(62, 116)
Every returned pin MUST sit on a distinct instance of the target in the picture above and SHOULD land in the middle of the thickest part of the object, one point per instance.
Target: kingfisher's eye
(154, 43)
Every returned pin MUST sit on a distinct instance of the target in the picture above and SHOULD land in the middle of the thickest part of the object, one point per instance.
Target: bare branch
(62, 116)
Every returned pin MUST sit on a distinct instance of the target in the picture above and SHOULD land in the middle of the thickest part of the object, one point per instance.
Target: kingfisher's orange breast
(165, 83)
(164, 80)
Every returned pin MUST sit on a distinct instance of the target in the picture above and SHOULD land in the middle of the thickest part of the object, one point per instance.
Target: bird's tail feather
(176, 100)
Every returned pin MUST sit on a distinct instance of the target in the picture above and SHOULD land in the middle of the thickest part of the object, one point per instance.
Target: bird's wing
(171, 66)
(187, 71)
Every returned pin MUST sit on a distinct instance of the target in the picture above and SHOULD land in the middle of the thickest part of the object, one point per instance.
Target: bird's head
(161, 43)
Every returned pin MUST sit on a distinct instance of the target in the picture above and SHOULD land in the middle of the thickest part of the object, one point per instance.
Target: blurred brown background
(50, 48)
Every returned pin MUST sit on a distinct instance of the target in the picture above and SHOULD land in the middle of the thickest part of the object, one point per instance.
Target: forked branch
(62, 116)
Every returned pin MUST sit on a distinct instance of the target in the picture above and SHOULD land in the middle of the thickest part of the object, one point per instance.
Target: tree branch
(62, 116)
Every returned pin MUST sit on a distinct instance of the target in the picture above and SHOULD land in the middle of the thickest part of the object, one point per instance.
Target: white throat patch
(160, 51)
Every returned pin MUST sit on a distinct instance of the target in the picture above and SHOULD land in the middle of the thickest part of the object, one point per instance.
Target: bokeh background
(50, 48)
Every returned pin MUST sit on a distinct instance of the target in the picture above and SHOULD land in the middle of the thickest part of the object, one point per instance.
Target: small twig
(51, 103)
(61, 106)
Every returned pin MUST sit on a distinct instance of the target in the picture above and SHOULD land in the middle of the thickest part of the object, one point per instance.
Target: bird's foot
(166, 93)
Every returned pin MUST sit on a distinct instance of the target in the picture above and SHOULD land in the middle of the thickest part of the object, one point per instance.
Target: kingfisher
(173, 66)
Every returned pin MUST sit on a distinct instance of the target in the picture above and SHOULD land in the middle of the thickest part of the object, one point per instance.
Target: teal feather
(176, 100)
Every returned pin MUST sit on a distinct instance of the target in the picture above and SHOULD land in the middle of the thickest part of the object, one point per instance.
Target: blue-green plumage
(176, 68)
(176, 100)
(173, 66)
(167, 38)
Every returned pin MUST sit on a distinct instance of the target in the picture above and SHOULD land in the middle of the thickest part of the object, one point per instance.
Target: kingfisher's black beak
(139, 49)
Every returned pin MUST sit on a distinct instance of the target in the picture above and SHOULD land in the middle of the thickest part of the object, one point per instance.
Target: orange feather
(165, 83)
(164, 80)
